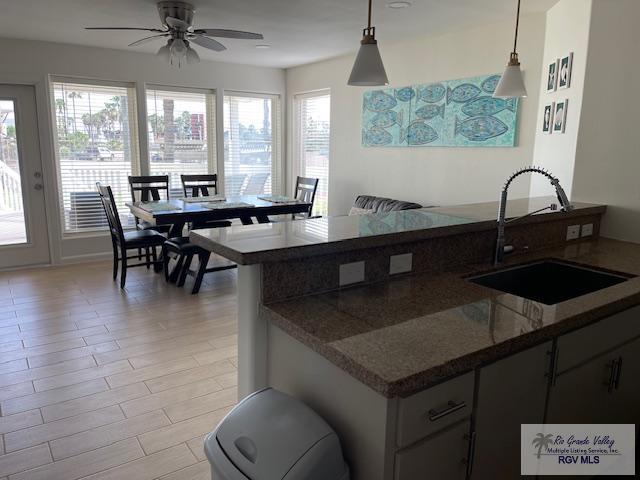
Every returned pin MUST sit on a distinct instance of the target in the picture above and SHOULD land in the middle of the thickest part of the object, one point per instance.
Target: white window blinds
(312, 131)
(252, 158)
(181, 129)
(96, 141)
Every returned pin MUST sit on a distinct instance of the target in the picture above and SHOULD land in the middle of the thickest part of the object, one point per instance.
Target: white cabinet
(511, 392)
(442, 456)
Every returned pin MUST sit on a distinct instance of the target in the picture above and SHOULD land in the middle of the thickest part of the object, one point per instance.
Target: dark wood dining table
(178, 212)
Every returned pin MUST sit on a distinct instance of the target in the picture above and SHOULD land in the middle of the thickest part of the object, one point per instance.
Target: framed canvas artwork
(547, 118)
(560, 116)
(564, 71)
(552, 76)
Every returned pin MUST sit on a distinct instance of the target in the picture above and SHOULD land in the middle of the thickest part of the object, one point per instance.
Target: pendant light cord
(515, 41)
(369, 17)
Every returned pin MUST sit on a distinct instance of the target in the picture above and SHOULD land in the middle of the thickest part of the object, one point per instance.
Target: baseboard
(86, 258)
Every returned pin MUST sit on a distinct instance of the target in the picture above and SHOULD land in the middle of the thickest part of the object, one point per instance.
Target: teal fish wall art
(452, 113)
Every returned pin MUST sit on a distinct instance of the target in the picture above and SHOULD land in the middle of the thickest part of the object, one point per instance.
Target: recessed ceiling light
(398, 5)
(263, 46)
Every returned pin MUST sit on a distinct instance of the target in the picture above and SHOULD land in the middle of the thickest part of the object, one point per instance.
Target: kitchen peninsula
(373, 322)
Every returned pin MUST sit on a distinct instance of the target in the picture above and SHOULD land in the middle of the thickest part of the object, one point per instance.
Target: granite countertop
(253, 244)
(404, 335)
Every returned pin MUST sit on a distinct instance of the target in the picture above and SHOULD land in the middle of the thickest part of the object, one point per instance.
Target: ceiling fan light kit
(177, 22)
(368, 69)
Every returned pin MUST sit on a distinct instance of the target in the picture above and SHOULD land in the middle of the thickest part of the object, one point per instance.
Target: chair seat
(144, 225)
(182, 245)
(143, 238)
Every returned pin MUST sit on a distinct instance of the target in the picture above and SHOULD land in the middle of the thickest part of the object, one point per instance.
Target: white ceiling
(299, 31)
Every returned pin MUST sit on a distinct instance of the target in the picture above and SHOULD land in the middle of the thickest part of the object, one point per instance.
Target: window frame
(296, 132)
(134, 143)
(277, 160)
(211, 108)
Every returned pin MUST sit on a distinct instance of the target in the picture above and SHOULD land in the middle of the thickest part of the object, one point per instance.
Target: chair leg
(185, 270)
(115, 262)
(139, 254)
(123, 273)
(204, 260)
(165, 262)
(154, 259)
(147, 257)
(173, 276)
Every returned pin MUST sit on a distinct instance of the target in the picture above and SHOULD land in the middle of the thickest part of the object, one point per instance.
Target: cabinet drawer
(434, 409)
(441, 457)
(577, 347)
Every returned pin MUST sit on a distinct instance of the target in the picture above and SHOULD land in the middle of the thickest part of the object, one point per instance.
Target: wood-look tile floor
(101, 383)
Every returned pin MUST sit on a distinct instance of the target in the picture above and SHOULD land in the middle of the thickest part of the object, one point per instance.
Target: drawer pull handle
(451, 407)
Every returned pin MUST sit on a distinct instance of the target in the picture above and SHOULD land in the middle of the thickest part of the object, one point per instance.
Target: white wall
(430, 176)
(30, 62)
(607, 168)
(567, 31)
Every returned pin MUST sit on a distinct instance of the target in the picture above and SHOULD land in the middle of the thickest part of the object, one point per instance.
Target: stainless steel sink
(549, 281)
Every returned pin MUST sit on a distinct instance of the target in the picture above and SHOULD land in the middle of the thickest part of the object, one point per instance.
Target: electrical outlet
(587, 230)
(351, 273)
(400, 263)
(573, 232)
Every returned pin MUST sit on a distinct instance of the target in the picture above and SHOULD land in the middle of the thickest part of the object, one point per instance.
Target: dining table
(177, 212)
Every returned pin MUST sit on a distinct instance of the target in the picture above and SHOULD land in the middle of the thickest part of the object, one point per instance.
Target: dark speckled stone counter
(274, 242)
(406, 334)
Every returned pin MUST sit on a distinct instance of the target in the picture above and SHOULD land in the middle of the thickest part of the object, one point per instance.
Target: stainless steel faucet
(562, 198)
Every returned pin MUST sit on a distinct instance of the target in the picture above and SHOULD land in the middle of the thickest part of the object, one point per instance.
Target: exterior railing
(10, 189)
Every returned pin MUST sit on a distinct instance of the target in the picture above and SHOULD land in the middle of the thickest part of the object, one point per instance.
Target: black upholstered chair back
(199, 185)
(148, 188)
(111, 211)
(305, 191)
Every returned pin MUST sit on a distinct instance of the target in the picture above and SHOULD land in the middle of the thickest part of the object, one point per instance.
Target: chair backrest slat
(306, 189)
(111, 211)
(199, 185)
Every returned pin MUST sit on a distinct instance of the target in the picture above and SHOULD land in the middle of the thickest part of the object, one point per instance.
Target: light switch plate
(573, 232)
(351, 273)
(400, 263)
(587, 230)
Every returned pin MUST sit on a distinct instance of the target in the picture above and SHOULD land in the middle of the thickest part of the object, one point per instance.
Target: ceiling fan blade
(207, 42)
(144, 40)
(177, 23)
(126, 28)
(223, 33)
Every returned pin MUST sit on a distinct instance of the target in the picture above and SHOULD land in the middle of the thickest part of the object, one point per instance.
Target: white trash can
(270, 435)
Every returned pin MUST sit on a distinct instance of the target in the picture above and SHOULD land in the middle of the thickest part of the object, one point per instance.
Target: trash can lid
(268, 432)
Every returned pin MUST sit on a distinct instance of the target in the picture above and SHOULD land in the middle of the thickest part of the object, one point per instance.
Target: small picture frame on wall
(552, 76)
(560, 116)
(547, 118)
(564, 71)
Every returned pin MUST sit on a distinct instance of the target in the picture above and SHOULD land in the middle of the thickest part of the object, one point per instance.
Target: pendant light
(511, 83)
(368, 69)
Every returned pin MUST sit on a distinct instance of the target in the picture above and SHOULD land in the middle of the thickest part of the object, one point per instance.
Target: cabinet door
(626, 395)
(511, 392)
(583, 394)
(442, 456)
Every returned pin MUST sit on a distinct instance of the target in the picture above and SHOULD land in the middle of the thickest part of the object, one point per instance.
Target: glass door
(23, 225)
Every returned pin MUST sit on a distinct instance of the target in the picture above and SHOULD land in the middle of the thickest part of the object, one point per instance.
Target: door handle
(450, 408)
(616, 381)
(611, 383)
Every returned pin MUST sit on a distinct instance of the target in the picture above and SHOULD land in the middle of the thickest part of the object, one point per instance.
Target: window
(251, 144)
(312, 128)
(181, 127)
(96, 133)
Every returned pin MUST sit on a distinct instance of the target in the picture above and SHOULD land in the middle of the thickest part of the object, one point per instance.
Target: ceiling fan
(177, 26)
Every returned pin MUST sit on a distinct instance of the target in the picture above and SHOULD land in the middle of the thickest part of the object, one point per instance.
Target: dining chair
(149, 188)
(202, 186)
(122, 241)
(305, 191)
